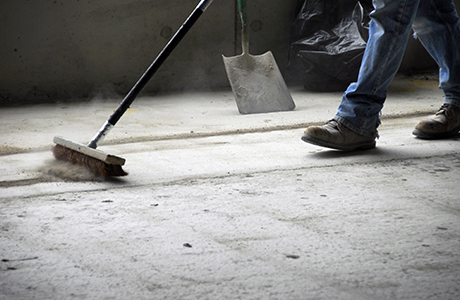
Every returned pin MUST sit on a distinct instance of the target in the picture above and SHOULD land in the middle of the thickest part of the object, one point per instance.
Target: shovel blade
(257, 84)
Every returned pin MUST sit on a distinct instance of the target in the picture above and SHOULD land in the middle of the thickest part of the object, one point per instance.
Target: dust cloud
(68, 171)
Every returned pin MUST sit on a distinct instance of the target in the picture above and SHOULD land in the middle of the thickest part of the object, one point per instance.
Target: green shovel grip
(244, 27)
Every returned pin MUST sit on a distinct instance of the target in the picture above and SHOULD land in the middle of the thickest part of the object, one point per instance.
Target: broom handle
(152, 69)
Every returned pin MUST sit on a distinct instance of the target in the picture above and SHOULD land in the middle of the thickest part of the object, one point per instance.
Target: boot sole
(350, 147)
(436, 136)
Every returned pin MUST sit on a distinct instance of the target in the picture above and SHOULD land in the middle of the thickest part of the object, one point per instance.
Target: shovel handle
(244, 26)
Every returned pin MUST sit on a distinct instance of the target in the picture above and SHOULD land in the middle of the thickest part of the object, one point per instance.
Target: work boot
(445, 123)
(335, 135)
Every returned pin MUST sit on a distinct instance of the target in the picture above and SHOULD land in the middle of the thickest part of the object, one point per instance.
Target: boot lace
(449, 111)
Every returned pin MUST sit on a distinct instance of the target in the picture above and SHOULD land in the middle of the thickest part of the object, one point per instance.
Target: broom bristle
(95, 165)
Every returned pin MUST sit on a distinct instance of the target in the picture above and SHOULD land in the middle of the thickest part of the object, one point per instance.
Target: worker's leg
(437, 26)
(390, 27)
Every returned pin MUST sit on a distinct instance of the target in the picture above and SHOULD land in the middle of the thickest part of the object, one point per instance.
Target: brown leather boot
(444, 124)
(335, 135)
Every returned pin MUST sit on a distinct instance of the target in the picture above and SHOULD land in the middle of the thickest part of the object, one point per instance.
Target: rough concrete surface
(250, 213)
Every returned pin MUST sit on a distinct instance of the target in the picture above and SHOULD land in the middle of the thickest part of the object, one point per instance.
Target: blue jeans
(436, 24)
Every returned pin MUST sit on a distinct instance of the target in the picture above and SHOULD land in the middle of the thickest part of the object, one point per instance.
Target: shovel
(256, 81)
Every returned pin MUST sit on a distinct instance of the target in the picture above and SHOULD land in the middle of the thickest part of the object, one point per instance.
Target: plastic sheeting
(328, 39)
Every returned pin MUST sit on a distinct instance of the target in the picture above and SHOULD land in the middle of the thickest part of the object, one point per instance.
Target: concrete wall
(62, 49)
(77, 49)
(56, 49)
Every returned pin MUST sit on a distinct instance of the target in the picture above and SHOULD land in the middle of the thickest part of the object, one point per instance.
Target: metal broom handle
(141, 83)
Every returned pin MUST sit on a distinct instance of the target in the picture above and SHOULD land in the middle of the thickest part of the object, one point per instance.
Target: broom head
(95, 160)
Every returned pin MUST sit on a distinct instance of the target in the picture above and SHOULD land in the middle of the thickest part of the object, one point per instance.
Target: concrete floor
(224, 206)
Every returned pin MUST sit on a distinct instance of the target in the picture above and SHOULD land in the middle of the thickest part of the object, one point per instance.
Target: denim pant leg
(389, 31)
(437, 26)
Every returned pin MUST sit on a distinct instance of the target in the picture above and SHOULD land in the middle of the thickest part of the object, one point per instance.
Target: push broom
(98, 161)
